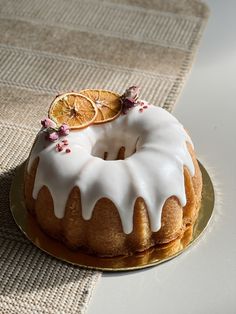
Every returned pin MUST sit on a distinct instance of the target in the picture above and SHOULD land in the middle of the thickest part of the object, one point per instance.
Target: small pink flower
(64, 130)
(68, 150)
(65, 142)
(53, 136)
(130, 99)
(134, 92)
(131, 93)
(48, 123)
(59, 148)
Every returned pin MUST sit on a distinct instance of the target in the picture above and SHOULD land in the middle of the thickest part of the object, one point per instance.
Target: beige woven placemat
(50, 46)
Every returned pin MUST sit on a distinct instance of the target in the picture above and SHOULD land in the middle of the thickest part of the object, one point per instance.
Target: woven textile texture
(51, 46)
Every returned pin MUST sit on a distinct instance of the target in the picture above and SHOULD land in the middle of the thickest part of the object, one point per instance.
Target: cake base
(151, 257)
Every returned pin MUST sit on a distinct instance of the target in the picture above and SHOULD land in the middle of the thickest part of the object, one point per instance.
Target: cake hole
(113, 149)
(120, 155)
(105, 155)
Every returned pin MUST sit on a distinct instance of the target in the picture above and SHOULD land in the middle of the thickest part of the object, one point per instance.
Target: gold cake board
(154, 256)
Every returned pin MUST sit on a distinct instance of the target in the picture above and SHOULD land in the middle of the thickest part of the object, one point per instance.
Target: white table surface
(202, 280)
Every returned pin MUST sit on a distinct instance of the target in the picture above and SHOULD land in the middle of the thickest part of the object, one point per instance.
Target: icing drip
(155, 154)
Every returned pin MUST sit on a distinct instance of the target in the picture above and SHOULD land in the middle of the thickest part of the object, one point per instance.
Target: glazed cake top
(155, 154)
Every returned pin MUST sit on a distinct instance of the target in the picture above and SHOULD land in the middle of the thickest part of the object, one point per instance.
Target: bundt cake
(115, 188)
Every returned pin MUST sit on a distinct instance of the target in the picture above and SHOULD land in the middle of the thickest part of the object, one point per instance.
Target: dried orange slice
(73, 109)
(108, 104)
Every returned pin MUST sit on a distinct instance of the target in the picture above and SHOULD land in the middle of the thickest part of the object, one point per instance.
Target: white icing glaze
(154, 172)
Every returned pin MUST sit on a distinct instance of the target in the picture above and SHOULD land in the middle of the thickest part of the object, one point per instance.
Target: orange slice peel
(73, 109)
(108, 104)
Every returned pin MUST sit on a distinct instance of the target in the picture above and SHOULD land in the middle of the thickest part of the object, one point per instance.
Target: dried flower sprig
(52, 131)
(130, 98)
